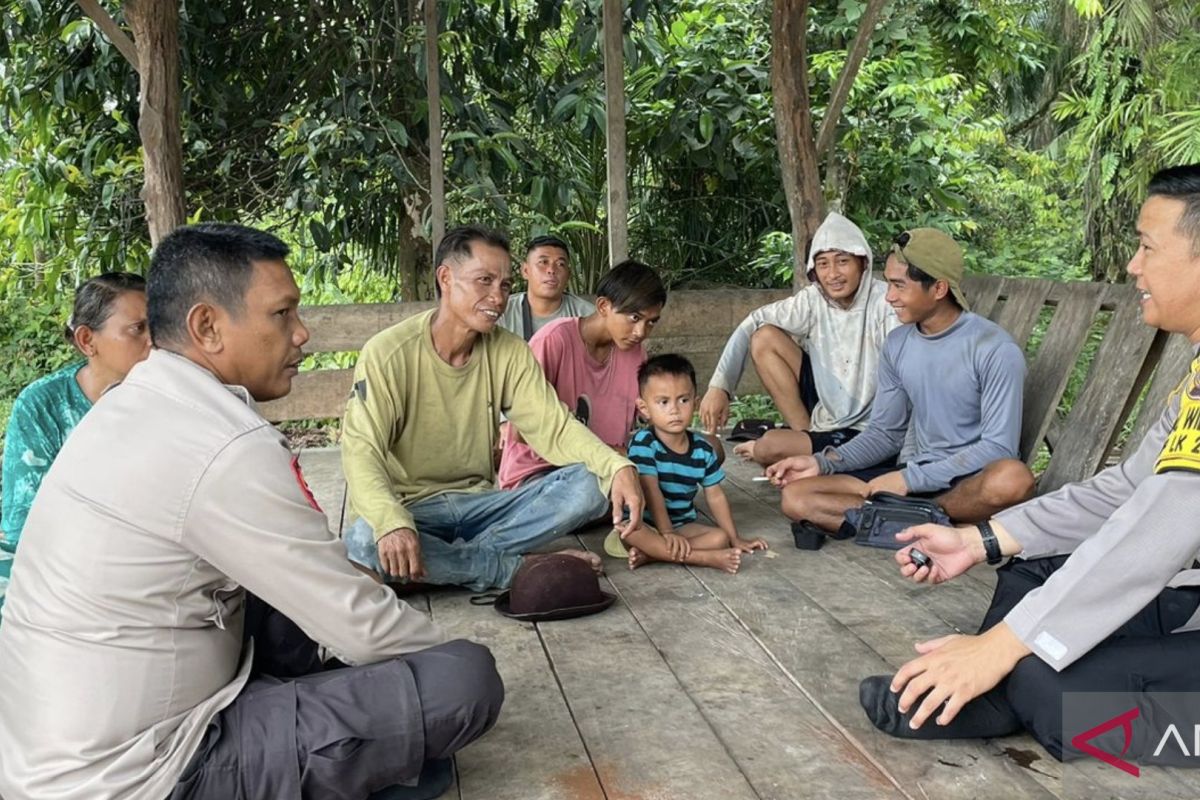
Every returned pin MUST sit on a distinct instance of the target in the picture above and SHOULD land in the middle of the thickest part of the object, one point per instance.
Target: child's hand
(678, 546)
(750, 545)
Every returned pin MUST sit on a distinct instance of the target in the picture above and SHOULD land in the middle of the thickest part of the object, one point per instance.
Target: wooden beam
(614, 118)
(433, 93)
(854, 59)
(109, 27)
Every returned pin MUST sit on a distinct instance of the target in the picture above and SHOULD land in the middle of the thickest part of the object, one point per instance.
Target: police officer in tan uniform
(1101, 595)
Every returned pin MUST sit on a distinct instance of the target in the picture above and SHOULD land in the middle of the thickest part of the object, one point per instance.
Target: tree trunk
(413, 258)
(614, 123)
(155, 26)
(794, 127)
(433, 94)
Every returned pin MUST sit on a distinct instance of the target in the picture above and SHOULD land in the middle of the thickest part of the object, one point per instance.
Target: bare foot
(636, 558)
(745, 451)
(725, 560)
(591, 558)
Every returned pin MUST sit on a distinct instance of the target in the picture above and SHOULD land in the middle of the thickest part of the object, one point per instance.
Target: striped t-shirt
(678, 474)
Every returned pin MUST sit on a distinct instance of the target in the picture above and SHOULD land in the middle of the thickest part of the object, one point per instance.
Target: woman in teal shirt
(107, 327)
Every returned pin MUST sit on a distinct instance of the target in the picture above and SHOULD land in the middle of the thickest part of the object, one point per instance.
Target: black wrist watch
(991, 545)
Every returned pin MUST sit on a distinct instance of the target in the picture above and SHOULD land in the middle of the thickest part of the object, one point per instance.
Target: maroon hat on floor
(553, 586)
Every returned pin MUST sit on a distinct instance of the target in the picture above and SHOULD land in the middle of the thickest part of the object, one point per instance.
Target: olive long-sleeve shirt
(416, 427)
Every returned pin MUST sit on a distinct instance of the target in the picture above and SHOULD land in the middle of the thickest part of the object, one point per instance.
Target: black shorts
(822, 439)
(808, 384)
(867, 474)
(808, 396)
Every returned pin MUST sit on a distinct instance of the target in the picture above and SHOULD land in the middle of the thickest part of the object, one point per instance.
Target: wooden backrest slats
(1047, 378)
(983, 293)
(1097, 413)
(1170, 368)
(1129, 358)
(1023, 305)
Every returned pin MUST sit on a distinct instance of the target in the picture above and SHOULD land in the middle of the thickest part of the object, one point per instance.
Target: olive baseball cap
(935, 254)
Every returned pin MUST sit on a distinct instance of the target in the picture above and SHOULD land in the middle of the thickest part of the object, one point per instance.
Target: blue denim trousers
(476, 539)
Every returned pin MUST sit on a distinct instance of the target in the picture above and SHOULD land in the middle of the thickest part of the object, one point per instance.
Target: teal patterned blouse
(45, 412)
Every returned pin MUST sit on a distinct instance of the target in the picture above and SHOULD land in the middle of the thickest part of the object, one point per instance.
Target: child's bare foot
(728, 560)
(636, 558)
(591, 558)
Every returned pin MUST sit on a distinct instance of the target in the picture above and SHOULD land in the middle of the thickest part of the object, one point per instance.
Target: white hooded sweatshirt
(843, 343)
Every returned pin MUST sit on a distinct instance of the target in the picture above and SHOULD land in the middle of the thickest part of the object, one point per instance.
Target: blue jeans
(476, 539)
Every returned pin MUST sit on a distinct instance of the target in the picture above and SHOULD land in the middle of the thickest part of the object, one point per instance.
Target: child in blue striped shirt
(672, 463)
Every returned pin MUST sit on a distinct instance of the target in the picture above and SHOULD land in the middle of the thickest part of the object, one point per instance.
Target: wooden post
(433, 91)
(614, 118)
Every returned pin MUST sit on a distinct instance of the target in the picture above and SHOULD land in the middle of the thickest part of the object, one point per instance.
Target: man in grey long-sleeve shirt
(1104, 594)
(958, 378)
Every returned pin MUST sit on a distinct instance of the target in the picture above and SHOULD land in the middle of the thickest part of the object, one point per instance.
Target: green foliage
(753, 406)
(31, 340)
(309, 118)
(703, 182)
(70, 167)
(6, 404)
(1131, 108)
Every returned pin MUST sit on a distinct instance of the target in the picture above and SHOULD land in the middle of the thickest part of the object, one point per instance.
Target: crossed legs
(778, 360)
(710, 547)
(824, 500)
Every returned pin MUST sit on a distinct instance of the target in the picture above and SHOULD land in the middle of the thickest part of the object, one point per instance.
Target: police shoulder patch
(1181, 451)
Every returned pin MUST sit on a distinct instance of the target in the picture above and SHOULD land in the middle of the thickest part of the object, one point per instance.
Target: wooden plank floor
(697, 685)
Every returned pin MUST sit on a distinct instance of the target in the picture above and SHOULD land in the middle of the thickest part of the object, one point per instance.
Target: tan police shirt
(1131, 531)
(123, 625)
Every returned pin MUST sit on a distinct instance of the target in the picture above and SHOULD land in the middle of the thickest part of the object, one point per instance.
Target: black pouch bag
(883, 515)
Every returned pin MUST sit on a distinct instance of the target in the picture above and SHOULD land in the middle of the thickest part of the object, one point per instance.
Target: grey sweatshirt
(842, 343)
(961, 388)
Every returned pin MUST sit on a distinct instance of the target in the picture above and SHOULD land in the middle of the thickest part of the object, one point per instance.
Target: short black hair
(95, 297)
(212, 262)
(631, 286)
(1182, 183)
(927, 281)
(456, 246)
(547, 241)
(665, 364)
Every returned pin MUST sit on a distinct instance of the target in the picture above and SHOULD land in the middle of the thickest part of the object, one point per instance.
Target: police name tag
(1182, 448)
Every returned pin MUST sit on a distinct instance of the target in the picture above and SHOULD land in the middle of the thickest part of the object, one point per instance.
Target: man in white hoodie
(840, 319)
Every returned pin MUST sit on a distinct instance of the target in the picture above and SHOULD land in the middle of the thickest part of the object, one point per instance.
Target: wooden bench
(1088, 330)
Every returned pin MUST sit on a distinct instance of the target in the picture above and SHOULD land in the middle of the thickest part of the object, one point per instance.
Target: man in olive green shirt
(421, 425)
